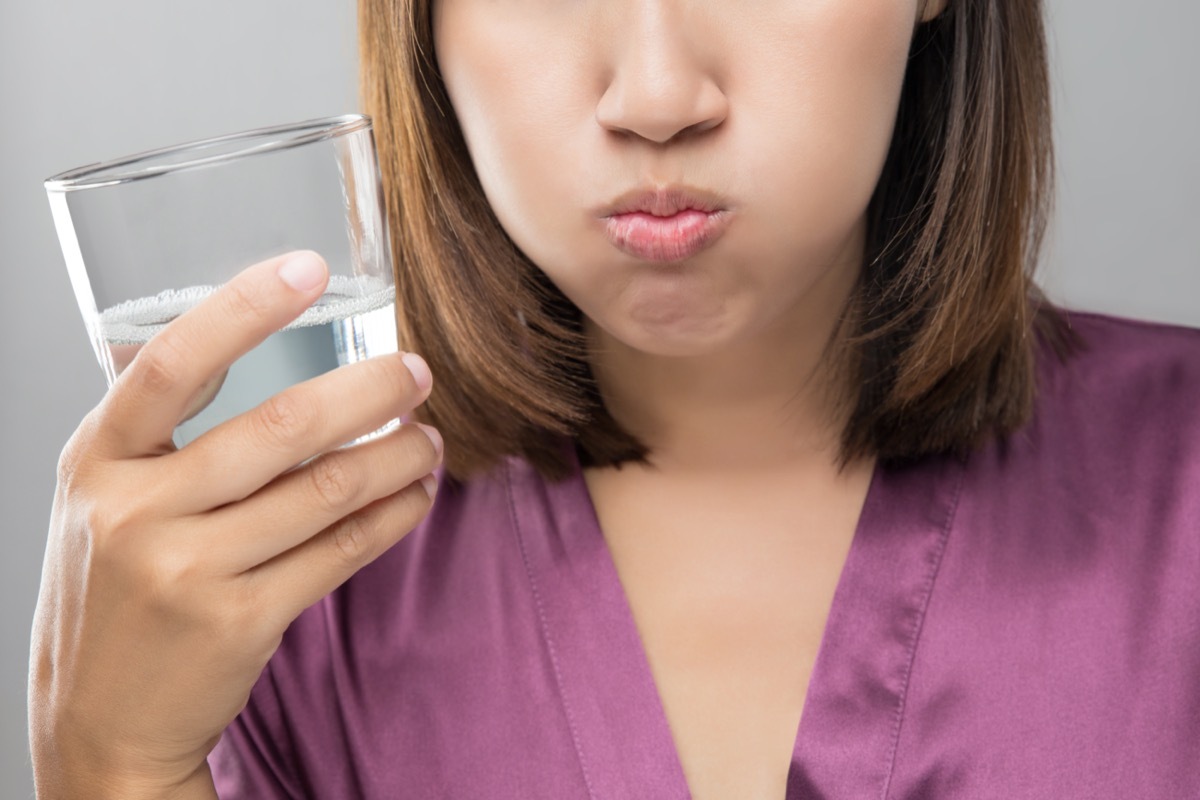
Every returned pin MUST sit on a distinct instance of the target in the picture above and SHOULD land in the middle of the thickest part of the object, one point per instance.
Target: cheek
(824, 97)
(520, 91)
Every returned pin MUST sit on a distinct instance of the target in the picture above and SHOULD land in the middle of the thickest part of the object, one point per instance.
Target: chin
(673, 336)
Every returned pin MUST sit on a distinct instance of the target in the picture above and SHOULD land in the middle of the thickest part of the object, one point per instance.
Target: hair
(940, 328)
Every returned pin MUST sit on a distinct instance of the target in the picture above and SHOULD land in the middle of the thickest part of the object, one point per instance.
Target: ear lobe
(932, 9)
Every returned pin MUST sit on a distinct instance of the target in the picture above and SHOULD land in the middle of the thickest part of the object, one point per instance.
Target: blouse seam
(919, 626)
(537, 601)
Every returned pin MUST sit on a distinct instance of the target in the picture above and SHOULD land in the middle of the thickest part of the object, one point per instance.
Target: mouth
(665, 225)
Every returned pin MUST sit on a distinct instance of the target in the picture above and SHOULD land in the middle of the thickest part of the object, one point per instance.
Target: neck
(768, 401)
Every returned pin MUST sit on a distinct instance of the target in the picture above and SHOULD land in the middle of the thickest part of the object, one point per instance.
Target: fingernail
(303, 271)
(433, 434)
(429, 484)
(419, 369)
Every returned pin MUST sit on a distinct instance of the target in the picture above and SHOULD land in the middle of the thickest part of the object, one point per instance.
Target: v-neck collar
(854, 706)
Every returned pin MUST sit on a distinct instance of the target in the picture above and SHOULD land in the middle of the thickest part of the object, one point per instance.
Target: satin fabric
(1023, 622)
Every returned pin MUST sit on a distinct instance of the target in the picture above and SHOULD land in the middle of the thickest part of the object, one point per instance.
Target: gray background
(82, 81)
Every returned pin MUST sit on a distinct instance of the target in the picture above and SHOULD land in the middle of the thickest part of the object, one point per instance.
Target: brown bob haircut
(941, 330)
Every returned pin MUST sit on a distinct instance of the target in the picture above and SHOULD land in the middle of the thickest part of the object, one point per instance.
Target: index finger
(147, 401)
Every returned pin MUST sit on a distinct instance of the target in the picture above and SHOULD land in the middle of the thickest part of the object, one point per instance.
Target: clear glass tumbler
(148, 236)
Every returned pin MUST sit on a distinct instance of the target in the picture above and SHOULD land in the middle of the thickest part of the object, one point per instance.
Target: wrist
(61, 786)
(67, 766)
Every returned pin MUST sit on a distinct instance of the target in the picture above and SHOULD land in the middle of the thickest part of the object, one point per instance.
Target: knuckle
(110, 543)
(173, 580)
(334, 483)
(237, 618)
(159, 365)
(109, 524)
(353, 539)
(243, 610)
(284, 419)
(244, 304)
(252, 615)
(69, 460)
(78, 449)
(170, 574)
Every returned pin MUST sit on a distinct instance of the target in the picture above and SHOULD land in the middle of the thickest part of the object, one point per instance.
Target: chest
(730, 594)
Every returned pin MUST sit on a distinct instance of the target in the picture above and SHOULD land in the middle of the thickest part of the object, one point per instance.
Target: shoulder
(1112, 347)
(1112, 451)
(1129, 387)
(1067, 581)
(1099, 493)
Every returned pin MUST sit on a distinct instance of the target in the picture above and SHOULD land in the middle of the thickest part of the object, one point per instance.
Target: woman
(766, 470)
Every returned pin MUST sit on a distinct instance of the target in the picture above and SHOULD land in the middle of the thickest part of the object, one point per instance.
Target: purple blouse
(1024, 623)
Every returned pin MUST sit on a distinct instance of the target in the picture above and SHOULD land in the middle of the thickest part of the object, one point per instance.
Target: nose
(662, 86)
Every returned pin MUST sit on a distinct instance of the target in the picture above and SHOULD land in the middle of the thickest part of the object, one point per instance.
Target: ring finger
(310, 498)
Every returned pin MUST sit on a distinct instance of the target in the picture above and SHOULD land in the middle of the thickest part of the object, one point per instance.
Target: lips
(665, 225)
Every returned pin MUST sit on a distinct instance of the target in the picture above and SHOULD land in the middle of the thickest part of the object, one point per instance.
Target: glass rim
(125, 169)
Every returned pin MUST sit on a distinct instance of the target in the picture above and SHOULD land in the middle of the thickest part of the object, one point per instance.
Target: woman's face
(687, 172)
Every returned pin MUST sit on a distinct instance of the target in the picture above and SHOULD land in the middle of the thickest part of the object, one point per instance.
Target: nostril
(699, 127)
(659, 110)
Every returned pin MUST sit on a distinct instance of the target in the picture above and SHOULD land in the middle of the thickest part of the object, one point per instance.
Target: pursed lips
(665, 225)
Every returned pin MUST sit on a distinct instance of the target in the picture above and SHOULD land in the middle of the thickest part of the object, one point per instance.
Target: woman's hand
(171, 575)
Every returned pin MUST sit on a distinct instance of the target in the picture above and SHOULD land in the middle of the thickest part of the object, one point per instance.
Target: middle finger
(307, 500)
(243, 454)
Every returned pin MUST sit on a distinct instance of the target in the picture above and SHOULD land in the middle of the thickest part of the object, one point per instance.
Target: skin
(730, 543)
(148, 552)
(786, 112)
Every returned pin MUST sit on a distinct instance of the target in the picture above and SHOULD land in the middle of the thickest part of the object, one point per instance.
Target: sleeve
(254, 759)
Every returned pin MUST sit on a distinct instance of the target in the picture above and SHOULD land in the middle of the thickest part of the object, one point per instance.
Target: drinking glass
(147, 236)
